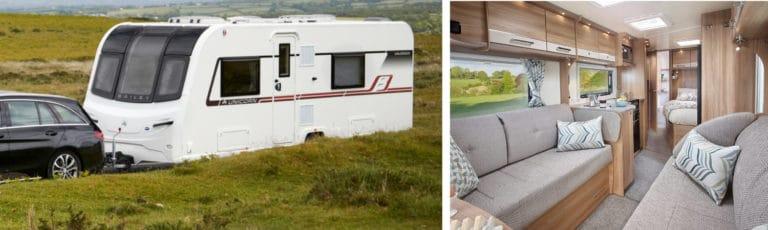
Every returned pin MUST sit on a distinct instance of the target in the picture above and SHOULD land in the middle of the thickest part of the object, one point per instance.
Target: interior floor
(614, 212)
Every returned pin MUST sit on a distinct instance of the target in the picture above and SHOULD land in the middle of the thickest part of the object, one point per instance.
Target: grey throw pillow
(709, 165)
(463, 176)
(573, 136)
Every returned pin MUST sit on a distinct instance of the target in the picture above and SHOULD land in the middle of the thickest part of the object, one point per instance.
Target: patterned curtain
(535, 69)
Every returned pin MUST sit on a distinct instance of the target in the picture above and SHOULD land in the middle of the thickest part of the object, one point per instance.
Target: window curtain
(535, 70)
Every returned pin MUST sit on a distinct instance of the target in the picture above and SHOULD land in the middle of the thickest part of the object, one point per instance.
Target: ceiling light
(648, 23)
(689, 42)
(606, 3)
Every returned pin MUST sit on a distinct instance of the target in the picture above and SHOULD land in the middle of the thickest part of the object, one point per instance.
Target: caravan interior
(195, 86)
(609, 114)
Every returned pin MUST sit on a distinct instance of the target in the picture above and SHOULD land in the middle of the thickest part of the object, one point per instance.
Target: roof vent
(196, 20)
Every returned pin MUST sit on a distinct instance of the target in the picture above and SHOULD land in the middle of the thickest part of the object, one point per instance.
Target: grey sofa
(674, 201)
(521, 174)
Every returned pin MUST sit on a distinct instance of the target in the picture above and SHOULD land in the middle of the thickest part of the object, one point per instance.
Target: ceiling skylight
(689, 42)
(606, 3)
(648, 23)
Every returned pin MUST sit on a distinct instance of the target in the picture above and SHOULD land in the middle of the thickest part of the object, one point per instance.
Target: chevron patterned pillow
(573, 136)
(710, 165)
(463, 176)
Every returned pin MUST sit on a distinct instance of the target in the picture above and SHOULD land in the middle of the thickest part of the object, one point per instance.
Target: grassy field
(486, 104)
(36, 37)
(384, 180)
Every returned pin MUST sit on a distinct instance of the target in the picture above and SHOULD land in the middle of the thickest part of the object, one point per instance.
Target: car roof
(14, 94)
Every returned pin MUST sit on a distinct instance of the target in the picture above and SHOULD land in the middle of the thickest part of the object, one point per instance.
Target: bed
(681, 114)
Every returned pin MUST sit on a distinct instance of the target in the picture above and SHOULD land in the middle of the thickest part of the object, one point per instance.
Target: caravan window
(171, 78)
(285, 60)
(240, 77)
(347, 71)
(141, 68)
(106, 73)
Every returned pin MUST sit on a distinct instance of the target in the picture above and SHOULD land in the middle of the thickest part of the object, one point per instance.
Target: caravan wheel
(64, 165)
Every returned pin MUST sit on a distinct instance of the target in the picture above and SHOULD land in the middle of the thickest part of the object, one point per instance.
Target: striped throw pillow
(463, 176)
(710, 165)
(573, 136)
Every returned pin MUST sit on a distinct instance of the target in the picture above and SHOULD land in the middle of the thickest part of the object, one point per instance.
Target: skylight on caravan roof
(606, 3)
(647, 23)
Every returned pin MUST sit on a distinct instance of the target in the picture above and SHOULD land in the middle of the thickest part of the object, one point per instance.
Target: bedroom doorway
(662, 89)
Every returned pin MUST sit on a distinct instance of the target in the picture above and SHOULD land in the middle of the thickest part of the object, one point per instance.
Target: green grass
(486, 104)
(383, 180)
(33, 37)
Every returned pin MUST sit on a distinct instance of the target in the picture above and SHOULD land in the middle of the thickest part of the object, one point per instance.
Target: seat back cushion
(708, 164)
(750, 177)
(482, 139)
(722, 130)
(534, 130)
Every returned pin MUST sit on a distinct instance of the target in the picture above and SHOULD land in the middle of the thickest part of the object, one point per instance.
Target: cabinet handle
(521, 42)
(561, 49)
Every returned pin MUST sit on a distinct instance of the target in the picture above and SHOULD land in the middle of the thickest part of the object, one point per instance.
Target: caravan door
(283, 101)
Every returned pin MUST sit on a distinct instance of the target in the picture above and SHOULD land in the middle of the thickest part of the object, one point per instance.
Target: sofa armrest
(611, 121)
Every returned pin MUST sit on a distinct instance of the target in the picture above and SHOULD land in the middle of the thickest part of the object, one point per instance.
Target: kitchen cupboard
(517, 24)
(471, 18)
(561, 34)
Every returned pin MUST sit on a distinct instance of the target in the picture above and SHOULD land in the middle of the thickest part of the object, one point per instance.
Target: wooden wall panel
(717, 52)
(565, 81)
(762, 51)
(471, 15)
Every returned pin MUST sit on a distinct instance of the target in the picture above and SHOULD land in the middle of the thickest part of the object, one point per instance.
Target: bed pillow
(573, 136)
(463, 176)
(709, 165)
(686, 94)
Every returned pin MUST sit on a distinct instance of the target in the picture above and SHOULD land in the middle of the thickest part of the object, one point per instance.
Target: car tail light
(98, 135)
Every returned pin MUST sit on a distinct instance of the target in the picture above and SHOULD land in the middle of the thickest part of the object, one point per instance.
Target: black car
(47, 135)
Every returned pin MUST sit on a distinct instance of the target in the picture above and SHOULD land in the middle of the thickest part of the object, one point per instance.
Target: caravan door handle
(278, 86)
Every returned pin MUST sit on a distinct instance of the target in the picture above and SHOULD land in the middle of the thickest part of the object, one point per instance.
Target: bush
(16, 30)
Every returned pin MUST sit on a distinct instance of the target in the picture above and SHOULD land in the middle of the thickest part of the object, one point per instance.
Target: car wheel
(64, 165)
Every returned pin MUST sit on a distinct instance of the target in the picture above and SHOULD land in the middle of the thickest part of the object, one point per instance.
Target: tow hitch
(116, 160)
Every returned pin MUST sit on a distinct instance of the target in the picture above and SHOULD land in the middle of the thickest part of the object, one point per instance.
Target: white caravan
(195, 86)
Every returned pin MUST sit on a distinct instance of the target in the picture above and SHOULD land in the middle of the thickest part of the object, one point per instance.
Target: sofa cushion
(750, 178)
(463, 176)
(519, 193)
(483, 140)
(708, 164)
(533, 130)
(674, 201)
(611, 121)
(723, 130)
(580, 135)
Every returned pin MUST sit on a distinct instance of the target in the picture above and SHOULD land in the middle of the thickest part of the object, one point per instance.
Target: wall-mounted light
(739, 40)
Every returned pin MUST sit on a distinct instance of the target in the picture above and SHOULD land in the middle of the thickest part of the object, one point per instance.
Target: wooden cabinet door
(560, 30)
(471, 16)
(606, 43)
(586, 37)
(519, 18)
(680, 57)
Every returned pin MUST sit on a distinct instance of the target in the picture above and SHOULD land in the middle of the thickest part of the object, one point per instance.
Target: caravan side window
(285, 60)
(347, 71)
(240, 77)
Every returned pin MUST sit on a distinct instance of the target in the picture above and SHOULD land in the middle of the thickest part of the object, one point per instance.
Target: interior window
(140, 70)
(67, 116)
(285, 60)
(106, 73)
(171, 78)
(23, 113)
(488, 85)
(348, 71)
(46, 116)
(240, 77)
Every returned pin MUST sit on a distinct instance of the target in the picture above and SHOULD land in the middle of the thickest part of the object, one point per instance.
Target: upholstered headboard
(686, 94)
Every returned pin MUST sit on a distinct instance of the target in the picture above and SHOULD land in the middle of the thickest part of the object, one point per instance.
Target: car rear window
(66, 116)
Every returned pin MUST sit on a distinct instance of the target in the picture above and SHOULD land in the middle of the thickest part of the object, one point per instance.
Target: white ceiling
(684, 18)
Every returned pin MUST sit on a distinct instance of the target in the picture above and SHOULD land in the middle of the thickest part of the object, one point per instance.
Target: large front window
(481, 87)
(144, 64)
